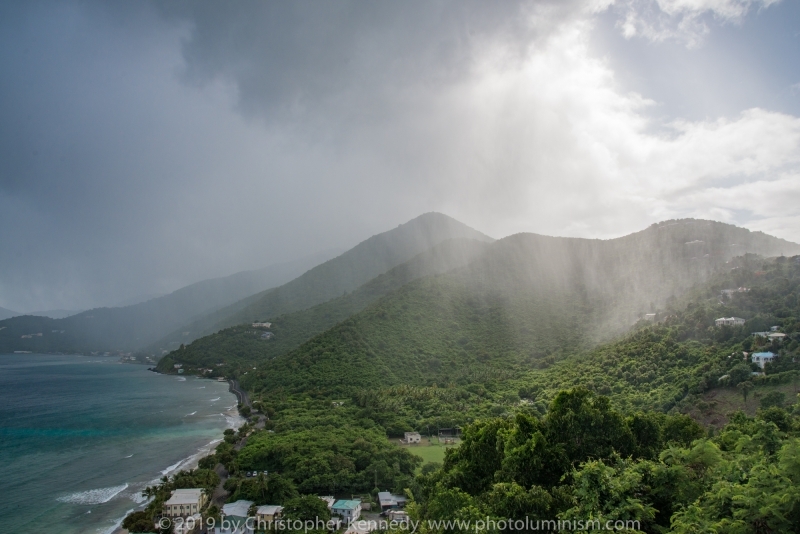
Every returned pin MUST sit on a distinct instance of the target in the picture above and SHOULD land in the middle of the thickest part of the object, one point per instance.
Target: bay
(80, 437)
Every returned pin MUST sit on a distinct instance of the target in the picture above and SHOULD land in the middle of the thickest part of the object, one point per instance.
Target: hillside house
(268, 513)
(763, 358)
(184, 503)
(266, 335)
(411, 437)
(774, 328)
(650, 317)
(235, 516)
(730, 321)
(348, 510)
(776, 336)
(389, 501)
(262, 325)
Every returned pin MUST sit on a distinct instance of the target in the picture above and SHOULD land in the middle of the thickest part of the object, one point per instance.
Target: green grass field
(431, 451)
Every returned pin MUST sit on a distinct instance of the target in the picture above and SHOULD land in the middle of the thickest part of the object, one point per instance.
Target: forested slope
(525, 299)
(332, 279)
(243, 345)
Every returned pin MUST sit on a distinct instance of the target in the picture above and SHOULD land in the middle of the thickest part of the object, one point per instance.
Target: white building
(262, 325)
(412, 437)
(349, 511)
(388, 501)
(184, 503)
(762, 358)
(730, 321)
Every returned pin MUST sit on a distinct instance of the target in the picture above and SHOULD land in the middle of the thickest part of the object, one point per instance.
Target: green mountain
(241, 345)
(600, 433)
(131, 327)
(527, 298)
(554, 425)
(347, 272)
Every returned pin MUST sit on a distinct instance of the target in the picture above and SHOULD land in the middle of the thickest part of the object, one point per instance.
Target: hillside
(333, 278)
(240, 345)
(583, 435)
(131, 327)
(527, 298)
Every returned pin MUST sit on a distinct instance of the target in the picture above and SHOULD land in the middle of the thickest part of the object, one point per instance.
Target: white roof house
(237, 509)
(411, 437)
(184, 502)
(388, 500)
(730, 321)
(266, 514)
(763, 358)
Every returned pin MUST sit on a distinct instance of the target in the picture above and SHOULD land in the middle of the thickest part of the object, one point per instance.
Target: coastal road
(241, 395)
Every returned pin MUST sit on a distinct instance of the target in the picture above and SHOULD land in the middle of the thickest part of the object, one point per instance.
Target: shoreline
(232, 420)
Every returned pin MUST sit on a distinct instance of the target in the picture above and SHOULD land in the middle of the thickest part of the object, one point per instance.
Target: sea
(80, 437)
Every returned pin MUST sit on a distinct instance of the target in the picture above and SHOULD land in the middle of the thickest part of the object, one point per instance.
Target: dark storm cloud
(293, 57)
(148, 145)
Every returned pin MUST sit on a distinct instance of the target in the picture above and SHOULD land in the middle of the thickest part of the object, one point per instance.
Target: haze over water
(80, 437)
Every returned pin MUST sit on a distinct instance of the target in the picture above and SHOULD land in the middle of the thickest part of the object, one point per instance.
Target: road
(241, 395)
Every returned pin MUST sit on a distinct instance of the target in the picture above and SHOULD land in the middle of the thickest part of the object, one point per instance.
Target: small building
(184, 503)
(411, 437)
(329, 500)
(267, 335)
(763, 358)
(262, 325)
(774, 328)
(730, 321)
(650, 317)
(348, 510)
(389, 501)
(268, 513)
(235, 515)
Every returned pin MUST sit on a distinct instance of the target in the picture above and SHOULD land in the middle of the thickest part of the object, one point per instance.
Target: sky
(145, 146)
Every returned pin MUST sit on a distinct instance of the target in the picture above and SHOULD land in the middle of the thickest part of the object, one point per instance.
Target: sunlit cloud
(686, 21)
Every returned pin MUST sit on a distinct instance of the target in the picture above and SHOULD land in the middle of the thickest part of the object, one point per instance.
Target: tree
(773, 398)
(745, 388)
(139, 522)
(306, 508)
(739, 373)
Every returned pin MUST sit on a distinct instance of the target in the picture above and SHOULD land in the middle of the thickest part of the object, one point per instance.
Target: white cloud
(554, 146)
(682, 20)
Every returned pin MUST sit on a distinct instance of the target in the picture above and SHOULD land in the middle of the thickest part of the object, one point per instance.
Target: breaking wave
(94, 496)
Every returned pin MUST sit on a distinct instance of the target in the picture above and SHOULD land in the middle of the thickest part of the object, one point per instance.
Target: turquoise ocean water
(81, 436)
